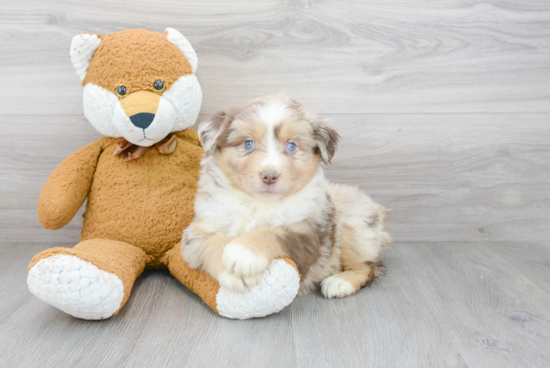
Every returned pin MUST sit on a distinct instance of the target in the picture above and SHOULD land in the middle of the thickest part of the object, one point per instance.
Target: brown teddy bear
(141, 93)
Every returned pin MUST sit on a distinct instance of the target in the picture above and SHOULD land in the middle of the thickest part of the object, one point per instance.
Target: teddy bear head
(138, 84)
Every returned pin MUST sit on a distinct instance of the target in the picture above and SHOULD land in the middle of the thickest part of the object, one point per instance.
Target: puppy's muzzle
(141, 107)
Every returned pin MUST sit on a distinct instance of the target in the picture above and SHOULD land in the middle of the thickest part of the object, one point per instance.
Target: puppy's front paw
(231, 282)
(236, 283)
(242, 261)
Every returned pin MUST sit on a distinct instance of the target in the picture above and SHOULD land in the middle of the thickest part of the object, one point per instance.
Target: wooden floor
(440, 305)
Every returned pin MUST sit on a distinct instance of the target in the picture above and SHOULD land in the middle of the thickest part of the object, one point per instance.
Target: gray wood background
(444, 106)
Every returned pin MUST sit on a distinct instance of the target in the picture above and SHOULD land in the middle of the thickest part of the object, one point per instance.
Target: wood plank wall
(444, 106)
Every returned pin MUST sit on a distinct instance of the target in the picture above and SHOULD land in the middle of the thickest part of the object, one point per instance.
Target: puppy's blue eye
(291, 147)
(249, 144)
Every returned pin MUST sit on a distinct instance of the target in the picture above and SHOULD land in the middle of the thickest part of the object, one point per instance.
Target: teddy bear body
(126, 202)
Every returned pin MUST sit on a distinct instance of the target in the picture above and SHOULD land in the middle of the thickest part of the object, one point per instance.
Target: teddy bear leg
(277, 288)
(93, 280)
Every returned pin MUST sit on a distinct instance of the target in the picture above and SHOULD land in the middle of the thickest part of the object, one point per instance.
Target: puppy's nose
(269, 177)
(142, 120)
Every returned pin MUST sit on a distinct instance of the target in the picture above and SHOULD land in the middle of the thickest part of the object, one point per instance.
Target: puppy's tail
(385, 238)
(378, 270)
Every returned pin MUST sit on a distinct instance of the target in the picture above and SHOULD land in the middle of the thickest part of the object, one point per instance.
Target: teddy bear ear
(83, 47)
(183, 44)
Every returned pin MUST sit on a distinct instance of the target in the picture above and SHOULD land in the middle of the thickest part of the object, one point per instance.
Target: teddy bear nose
(142, 120)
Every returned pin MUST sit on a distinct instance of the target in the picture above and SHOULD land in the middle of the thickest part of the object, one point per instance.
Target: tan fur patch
(243, 129)
(297, 131)
(264, 241)
(135, 59)
(359, 273)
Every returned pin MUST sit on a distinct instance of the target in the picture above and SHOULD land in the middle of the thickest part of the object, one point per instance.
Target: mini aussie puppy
(263, 195)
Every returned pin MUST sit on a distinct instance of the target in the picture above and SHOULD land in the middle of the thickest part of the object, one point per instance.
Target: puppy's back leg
(350, 281)
(361, 237)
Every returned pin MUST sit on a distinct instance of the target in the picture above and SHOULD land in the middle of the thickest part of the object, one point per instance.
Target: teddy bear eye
(159, 85)
(121, 91)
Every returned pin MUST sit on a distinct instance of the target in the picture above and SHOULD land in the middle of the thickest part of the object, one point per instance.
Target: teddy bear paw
(76, 287)
(276, 289)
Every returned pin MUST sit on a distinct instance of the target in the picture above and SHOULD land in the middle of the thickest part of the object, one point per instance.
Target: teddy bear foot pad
(76, 287)
(277, 289)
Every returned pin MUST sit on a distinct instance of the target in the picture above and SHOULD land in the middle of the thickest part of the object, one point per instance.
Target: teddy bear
(140, 179)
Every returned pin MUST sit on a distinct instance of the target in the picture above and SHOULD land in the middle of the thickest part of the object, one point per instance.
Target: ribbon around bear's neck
(129, 151)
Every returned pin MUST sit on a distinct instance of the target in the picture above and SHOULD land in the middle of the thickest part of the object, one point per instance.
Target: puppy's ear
(327, 139)
(210, 130)
(213, 132)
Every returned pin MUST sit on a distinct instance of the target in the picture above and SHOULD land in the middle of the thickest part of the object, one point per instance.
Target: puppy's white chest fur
(235, 213)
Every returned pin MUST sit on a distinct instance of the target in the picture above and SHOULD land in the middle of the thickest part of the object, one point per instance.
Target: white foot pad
(335, 287)
(76, 287)
(277, 288)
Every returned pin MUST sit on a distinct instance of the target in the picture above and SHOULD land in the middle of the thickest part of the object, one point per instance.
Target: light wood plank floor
(441, 304)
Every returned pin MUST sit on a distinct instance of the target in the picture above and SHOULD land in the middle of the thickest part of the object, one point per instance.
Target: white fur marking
(242, 261)
(335, 287)
(231, 282)
(272, 114)
(276, 289)
(272, 158)
(76, 287)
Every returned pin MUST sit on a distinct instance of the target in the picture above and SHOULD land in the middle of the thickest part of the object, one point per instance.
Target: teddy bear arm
(67, 187)
(277, 288)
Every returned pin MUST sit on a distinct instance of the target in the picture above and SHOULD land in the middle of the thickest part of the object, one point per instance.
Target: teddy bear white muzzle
(177, 109)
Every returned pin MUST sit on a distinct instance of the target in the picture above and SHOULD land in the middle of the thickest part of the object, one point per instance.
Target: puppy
(263, 195)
